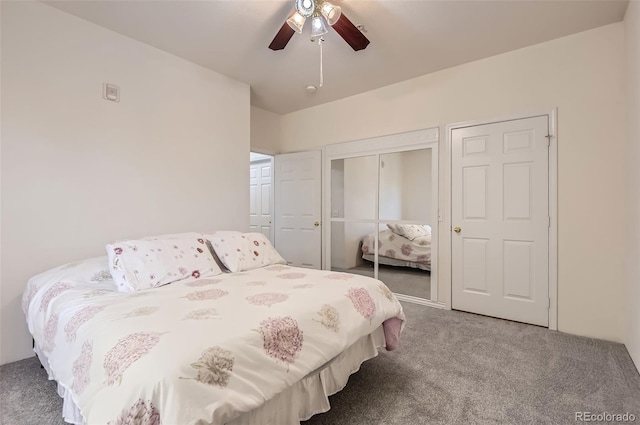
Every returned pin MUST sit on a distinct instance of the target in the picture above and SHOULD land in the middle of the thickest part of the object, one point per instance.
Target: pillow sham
(144, 264)
(410, 231)
(244, 251)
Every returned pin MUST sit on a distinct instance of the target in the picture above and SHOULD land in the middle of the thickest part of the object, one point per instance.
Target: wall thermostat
(111, 92)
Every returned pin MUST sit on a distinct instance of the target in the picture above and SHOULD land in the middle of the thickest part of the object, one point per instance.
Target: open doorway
(261, 194)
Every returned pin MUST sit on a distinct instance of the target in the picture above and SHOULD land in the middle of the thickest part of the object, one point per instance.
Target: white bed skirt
(297, 403)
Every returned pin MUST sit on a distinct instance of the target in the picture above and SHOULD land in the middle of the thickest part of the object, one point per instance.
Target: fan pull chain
(321, 73)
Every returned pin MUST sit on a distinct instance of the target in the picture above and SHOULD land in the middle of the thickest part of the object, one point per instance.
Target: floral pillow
(244, 251)
(143, 264)
(410, 231)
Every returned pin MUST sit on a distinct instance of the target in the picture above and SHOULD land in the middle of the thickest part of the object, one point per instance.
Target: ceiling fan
(321, 13)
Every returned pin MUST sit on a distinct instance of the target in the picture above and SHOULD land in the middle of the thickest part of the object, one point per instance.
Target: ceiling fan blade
(352, 35)
(282, 37)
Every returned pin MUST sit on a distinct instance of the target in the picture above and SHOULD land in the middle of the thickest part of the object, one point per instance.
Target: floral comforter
(392, 245)
(199, 349)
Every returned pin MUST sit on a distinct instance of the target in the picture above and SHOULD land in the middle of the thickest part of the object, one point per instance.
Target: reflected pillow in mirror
(410, 231)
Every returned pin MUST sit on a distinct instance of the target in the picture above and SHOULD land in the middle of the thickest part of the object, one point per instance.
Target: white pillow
(143, 264)
(410, 231)
(244, 251)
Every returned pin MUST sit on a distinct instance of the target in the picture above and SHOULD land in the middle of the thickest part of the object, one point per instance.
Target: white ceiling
(408, 38)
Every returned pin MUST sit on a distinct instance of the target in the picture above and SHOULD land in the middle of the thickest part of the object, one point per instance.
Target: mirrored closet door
(404, 238)
(383, 208)
(354, 184)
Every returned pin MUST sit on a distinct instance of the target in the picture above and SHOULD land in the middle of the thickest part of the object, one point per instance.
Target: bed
(263, 346)
(400, 246)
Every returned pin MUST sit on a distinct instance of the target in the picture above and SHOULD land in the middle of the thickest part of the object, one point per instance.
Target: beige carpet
(451, 368)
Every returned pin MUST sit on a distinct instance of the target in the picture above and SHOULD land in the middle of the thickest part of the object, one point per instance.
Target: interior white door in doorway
(298, 234)
(500, 219)
(261, 197)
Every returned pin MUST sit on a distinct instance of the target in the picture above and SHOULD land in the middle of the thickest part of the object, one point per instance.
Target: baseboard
(421, 301)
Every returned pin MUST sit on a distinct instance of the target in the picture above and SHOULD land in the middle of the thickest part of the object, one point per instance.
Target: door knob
(316, 224)
(457, 229)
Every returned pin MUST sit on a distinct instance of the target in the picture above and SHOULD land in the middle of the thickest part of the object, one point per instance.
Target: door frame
(411, 140)
(553, 206)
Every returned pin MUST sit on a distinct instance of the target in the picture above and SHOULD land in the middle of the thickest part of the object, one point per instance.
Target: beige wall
(79, 171)
(581, 75)
(265, 131)
(631, 295)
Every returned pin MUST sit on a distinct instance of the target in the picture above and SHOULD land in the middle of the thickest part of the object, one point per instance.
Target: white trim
(553, 203)
(421, 301)
(435, 207)
(376, 146)
(257, 156)
(263, 151)
(326, 211)
(411, 140)
(265, 159)
(495, 120)
(376, 233)
(446, 217)
(553, 213)
(272, 199)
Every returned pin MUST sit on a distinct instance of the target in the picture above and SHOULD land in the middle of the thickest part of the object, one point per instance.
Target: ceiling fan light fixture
(322, 14)
(318, 26)
(330, 12)
(306, 7)
(296, 22)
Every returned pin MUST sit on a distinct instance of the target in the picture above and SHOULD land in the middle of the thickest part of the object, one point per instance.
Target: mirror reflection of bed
(404, 257)
(385, 198)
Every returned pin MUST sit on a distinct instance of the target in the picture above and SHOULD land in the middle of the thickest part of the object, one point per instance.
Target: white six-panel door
(500, 219)
(261, 197)
(298, 196)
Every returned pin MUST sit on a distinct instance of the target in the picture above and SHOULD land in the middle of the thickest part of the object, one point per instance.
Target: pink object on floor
(392, 328)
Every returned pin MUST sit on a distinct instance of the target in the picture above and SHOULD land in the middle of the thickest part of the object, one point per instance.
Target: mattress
(397, 263)
(229, 350)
